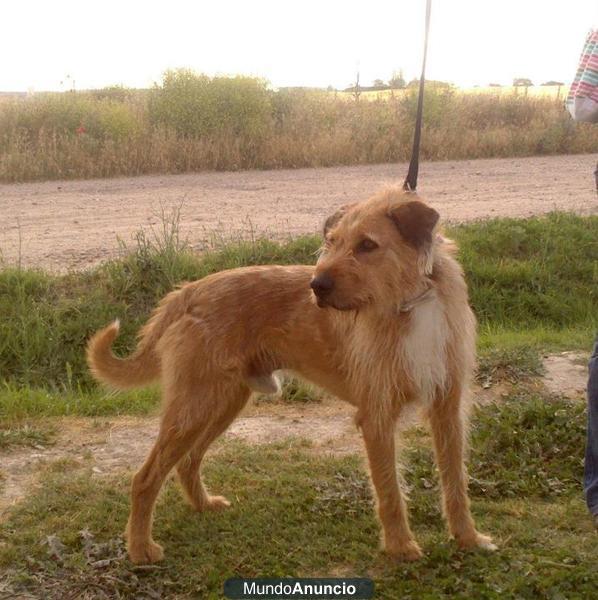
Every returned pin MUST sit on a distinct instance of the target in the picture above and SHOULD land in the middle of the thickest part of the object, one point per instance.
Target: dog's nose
(322, 284)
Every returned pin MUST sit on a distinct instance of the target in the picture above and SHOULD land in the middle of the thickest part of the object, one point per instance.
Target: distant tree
(433, 83)
(397, 81)
(557, 84)
(379, 84)
(494, 85)
(117, 93)
(522, 82)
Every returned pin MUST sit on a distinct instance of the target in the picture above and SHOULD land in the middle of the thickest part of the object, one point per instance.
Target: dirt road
(62, 225)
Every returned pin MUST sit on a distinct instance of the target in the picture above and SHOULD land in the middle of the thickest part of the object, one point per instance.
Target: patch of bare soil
(566, 374)
(63, 225)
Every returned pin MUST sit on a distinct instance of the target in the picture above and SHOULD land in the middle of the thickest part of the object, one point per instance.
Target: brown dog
(385, 324)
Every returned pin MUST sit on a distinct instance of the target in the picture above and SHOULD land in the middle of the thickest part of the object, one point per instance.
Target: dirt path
(63, 225)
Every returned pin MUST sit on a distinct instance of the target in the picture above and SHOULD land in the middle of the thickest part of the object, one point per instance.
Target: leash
(411, 180)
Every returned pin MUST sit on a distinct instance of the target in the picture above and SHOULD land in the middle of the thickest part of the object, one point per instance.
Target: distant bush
(66, 114)
(197, 105)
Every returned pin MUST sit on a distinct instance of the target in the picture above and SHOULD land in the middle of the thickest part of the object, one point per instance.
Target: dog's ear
(415, 222)
(333, 219)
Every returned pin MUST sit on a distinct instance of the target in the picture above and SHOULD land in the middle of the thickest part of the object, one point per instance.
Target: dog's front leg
(380, 445)
(449, 433)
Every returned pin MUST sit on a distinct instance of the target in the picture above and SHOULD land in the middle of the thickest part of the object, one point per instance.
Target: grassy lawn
(296, 513)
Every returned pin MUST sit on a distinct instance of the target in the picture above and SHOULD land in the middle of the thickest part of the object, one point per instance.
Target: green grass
(298, 514)
(530, 273)
(20, 402)
(547, 337)
(25, 434)
(525, 289)
(511, 364)
(294, 391)
(527, 445)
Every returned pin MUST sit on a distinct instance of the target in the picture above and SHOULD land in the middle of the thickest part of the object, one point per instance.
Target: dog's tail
(143, 366)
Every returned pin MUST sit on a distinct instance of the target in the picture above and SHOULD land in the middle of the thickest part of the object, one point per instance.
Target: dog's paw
(407, 552)
(142, 554)
(211, 503)
(485, 543)
(478, 540)
(216, 503)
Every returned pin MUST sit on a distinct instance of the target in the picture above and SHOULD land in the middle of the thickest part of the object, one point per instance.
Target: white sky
(288, 42)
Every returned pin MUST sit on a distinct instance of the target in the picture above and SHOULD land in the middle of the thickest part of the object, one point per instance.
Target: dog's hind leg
(448, 423)
(188, 468)
(191, 394)
(380, 444)
(171, 445)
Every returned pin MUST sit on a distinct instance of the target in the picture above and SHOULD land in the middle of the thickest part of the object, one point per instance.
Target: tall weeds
(193, 122)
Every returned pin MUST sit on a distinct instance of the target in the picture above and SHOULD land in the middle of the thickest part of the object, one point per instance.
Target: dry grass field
(555, 92)
(192, 122)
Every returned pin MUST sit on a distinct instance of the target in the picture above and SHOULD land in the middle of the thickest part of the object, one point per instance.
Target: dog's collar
(425, 296)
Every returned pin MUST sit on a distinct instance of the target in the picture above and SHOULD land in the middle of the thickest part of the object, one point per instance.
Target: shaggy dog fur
(382, 321)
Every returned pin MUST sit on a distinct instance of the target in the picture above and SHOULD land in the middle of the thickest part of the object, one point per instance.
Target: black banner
(299, 589)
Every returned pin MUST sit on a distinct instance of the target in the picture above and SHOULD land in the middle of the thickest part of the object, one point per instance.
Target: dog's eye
(366, 245)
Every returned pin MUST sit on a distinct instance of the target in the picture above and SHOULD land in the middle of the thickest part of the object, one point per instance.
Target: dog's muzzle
(322, 285)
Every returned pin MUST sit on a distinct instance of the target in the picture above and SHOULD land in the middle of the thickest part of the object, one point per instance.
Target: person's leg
(591, 462)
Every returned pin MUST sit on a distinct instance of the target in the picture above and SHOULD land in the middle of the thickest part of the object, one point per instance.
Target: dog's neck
(408, 305)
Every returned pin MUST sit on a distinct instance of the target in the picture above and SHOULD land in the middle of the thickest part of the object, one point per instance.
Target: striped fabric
(582, 100)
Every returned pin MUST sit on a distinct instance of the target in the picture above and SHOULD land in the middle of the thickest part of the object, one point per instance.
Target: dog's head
(375, 252)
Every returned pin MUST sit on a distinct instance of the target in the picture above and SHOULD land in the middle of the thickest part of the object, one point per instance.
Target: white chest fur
(424, 349)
